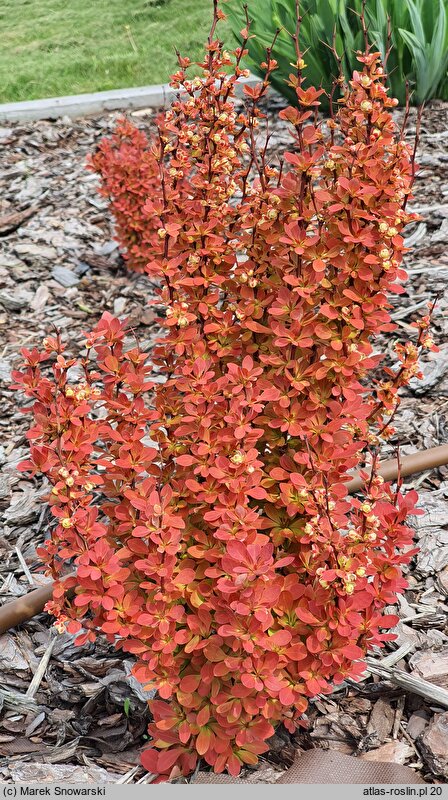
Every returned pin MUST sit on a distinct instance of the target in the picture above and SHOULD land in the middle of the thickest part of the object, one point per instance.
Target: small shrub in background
(411, 35)
(207, 516)
(130, 174)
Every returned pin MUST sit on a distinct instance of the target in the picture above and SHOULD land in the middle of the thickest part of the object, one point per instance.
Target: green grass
(59, 47)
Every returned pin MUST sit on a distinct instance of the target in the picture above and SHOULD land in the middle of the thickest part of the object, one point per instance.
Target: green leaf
(416, 22)
(419, 38)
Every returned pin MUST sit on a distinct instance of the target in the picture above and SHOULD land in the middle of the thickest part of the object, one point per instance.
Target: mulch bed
(82, 717)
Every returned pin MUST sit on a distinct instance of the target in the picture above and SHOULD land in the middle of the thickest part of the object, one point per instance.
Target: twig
(419, 480)
(127, 777)
(405, 312)
(41, 521)
(148, 778)
(397, 655)
(17, 701)
(398, 716)
(6, 584)
(416, 236)
(410, 741)
(425, 268)
(195, 773)
(40, 672)
(428, 613)
(409, 682)
(429, 209)
(24, 566)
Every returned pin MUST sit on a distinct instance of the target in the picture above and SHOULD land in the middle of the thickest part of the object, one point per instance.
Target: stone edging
(79, 105)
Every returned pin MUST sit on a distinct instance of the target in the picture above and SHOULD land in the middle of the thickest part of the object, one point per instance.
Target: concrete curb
(80, 105)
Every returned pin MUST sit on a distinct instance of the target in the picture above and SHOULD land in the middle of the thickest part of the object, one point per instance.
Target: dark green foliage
(412, 33)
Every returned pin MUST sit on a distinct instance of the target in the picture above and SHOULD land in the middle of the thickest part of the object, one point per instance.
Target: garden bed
(60, 268)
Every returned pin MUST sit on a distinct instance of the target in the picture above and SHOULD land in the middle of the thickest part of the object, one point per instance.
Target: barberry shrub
(129, 175)
(201, 492)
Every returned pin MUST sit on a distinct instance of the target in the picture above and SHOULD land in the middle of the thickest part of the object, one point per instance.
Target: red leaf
(186, 460)
(306, 616)
(168, 758)
(203, 741)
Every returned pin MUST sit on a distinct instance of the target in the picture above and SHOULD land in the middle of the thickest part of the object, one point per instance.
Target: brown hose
(24, 608)
(417, 462)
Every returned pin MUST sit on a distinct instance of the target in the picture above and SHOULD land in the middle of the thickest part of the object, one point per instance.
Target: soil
(83, 717)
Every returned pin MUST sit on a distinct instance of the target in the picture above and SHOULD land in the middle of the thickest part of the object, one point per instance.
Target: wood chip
(24, 772)
(15, 302)
(432, 666)
(381, 719)
(10, 222)
(432, 531)
(11, 657)
(417, 724)
(434, 369)
(65, 276)
(25, 506)
(395, 752)
(38, 251)
(41, 297)
(434, 745)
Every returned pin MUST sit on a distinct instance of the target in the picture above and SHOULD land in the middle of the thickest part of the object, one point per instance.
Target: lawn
(58, 47)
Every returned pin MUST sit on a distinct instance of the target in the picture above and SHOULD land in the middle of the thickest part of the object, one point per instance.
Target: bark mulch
(75, 713)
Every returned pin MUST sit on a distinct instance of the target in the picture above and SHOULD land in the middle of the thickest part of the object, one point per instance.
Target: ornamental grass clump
(411, 35)
(207, 515)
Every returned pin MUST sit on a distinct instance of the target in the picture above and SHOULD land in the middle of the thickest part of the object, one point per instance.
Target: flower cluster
(202, 498)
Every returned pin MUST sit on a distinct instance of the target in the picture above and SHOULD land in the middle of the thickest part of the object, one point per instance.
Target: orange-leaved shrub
(130, 174)
(200, 490)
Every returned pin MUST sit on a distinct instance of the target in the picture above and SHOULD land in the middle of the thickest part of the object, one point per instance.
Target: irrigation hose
(24, 608)
(28, 606)
(409, 465)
